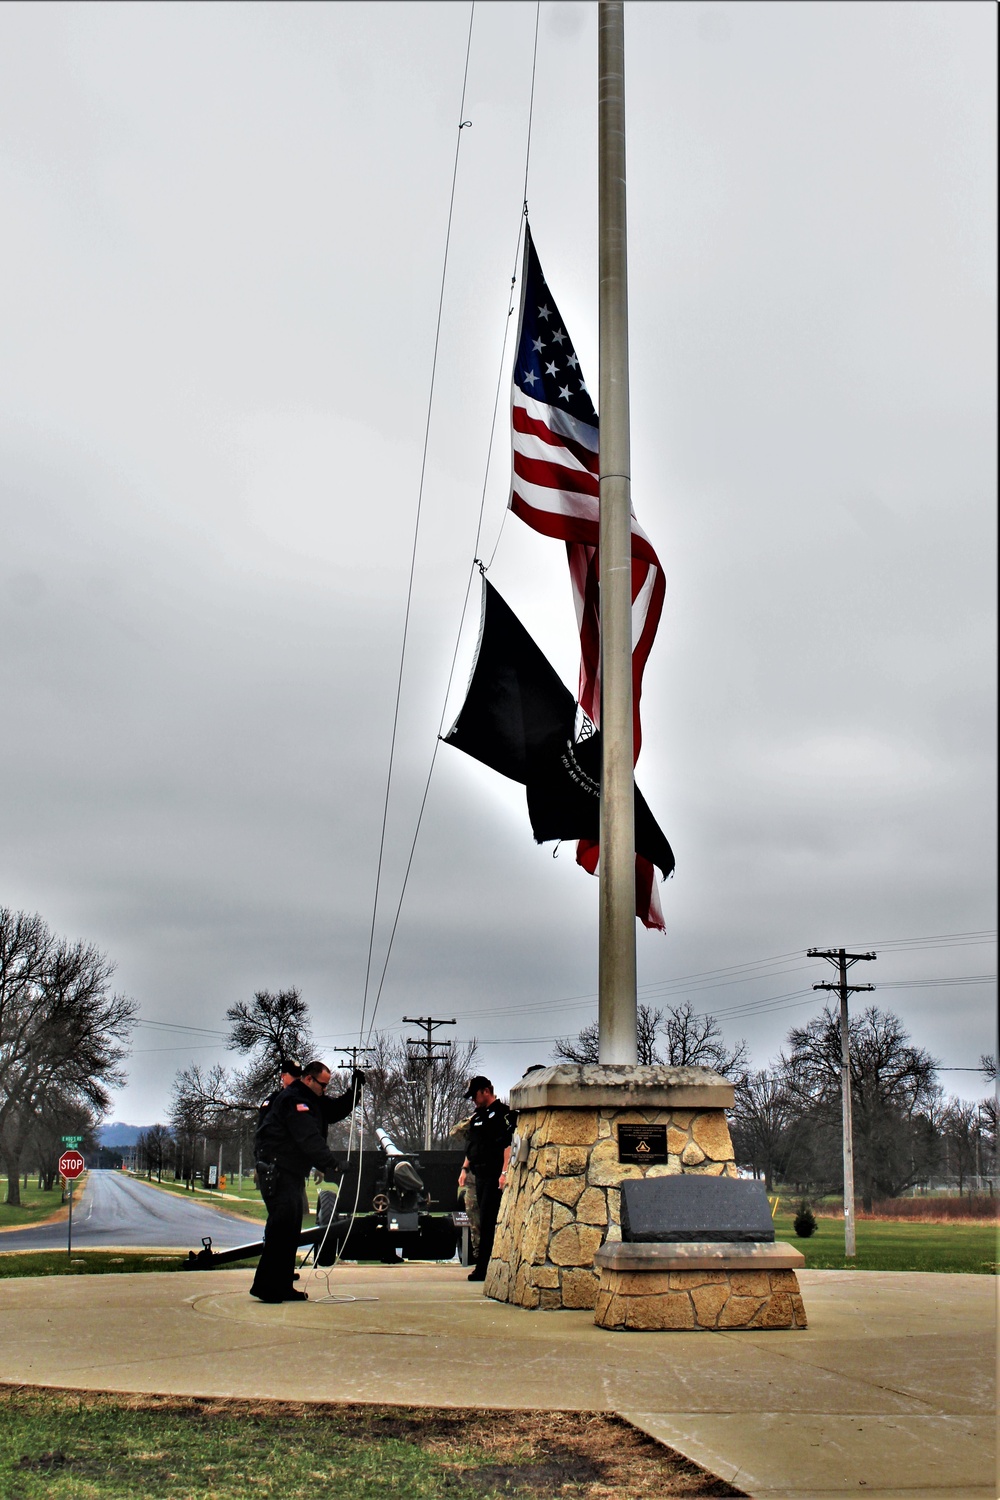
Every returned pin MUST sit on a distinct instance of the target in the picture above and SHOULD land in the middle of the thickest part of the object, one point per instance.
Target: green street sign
(72, 1140)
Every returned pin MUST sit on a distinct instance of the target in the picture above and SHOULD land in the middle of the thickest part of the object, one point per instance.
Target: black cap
(475, 1084)
(289, 1065)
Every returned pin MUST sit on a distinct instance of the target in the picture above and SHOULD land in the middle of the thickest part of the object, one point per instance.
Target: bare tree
(688, 1040)
(202, 1110)
(760, 1121)
(268, 1029)
(396, 1090)
(585, 1047)
(38, 1133)
(696, 1040)
(63, 1034)
(961, 1139)
(203, 1092)
(894, 1092)
(153, 1150)
(987, 1126)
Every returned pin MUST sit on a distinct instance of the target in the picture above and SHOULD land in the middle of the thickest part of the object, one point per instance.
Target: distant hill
(118, 1134)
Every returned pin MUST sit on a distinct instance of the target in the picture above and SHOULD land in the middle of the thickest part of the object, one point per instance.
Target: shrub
(804, 1222)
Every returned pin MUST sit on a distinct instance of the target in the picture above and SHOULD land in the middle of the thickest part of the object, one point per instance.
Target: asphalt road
(115, 1210)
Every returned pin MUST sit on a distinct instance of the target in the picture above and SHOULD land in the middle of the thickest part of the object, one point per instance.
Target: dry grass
(69, 1443)
(981, 1209)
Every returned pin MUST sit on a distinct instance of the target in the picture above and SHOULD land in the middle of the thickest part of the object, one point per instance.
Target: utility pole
(843, 961)
(428, 1043)
(616, 943)
(355, 1052)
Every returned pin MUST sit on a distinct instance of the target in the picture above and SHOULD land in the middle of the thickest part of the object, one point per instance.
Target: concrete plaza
(889, 1392)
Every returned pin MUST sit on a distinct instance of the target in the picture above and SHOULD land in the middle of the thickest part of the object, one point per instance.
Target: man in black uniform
(290, 1140)
(288, 1070)
(487, 1156)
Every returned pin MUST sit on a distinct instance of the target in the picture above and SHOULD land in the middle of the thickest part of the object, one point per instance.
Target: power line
(916, 984)
(462, 123)
(198, 1047)
(479, 531)
(176, 1026)
(946, 939)
(741, 973)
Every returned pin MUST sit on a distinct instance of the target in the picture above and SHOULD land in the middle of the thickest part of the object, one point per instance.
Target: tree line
(213, 1114)
(63, 1035)
(786, 1122)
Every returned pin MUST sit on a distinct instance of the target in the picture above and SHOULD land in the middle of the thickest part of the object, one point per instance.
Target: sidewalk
(889, 1392)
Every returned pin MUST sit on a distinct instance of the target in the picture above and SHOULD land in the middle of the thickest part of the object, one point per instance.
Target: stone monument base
(563, 1194)
(692, 1286)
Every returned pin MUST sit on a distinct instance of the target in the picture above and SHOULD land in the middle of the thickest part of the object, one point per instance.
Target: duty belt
(267, 1174)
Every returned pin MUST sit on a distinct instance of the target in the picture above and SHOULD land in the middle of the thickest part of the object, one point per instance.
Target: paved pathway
(888, 1393)
(117, 1211)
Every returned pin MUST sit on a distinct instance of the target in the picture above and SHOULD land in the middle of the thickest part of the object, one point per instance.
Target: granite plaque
(643, 1143)
(688, 1206)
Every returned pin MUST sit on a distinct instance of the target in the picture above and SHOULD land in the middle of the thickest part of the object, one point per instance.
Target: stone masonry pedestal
(718, 1286)
(563, 1194)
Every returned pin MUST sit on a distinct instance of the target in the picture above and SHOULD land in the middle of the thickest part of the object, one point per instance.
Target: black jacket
(491, 1131)
(293, 1131)
(332, 1109)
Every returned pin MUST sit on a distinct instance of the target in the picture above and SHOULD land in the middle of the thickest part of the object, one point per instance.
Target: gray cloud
(220, 279)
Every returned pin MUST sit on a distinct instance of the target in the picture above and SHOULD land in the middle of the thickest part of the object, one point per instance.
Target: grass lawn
(35, 1205)
(62, 1445)
(94, 1263)
(894, 1245)
(247, 1203)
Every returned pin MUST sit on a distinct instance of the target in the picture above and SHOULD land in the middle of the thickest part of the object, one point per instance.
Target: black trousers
(488, 1197)
(276, 1266)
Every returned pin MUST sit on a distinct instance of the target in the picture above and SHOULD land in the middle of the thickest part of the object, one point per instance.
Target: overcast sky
(221, 261)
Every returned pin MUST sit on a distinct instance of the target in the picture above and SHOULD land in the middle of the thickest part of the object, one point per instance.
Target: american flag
(555, 489)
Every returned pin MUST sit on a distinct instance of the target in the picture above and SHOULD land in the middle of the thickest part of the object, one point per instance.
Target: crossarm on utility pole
(355, 1052)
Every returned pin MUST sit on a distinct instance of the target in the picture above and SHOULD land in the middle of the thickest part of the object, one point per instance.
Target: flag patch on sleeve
(303, 1106)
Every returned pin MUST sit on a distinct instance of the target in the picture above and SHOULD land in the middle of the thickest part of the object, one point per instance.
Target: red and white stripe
(556, 490)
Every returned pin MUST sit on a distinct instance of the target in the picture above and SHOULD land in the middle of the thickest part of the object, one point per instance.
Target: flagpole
(616, 952)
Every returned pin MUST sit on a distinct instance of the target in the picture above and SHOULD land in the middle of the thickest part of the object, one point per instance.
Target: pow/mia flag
(520, 718)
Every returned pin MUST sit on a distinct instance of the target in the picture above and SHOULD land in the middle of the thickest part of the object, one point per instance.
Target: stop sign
(71, 1164)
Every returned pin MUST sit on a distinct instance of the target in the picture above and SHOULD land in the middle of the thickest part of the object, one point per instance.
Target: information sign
(642, 1143)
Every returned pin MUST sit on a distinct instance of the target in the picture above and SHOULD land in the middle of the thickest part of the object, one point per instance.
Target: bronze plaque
(642, 1143)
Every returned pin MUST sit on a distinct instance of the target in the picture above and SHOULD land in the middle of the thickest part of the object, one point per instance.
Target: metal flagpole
(616, 958)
